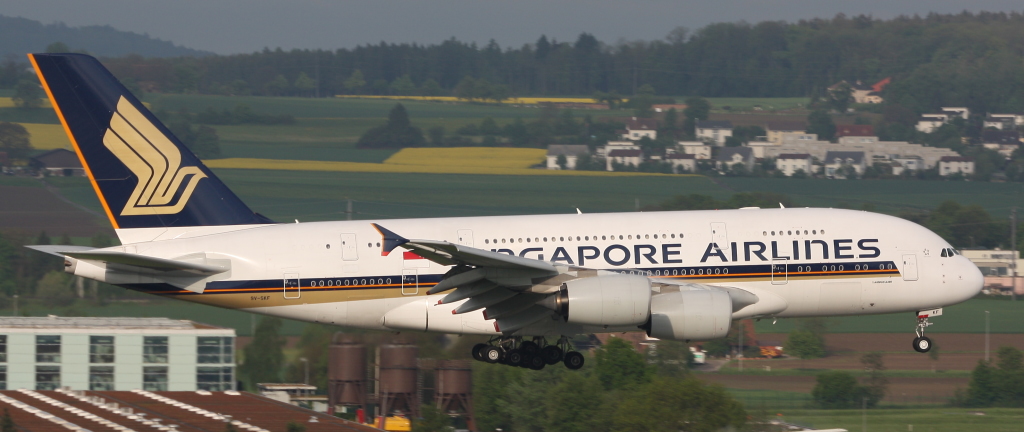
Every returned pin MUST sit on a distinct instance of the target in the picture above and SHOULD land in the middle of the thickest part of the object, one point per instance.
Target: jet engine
(690, 315)
(619, 300)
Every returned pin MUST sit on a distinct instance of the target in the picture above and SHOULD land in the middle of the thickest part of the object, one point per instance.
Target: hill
(19, 36)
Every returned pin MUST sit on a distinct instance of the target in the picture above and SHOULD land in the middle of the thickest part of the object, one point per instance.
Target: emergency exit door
(909, 269)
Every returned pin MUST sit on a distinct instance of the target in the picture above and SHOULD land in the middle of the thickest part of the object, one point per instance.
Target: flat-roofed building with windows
(107, 354)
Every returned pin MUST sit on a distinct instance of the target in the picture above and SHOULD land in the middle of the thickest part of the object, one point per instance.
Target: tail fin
(144, 176)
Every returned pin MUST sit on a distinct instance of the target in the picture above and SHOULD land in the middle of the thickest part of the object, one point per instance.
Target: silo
(454, 389)
(397, 389)
(346, 373)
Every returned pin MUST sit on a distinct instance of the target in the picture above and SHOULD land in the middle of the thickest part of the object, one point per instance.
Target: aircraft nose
(971, 280)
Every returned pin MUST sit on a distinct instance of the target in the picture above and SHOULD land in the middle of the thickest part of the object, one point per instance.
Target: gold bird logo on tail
(153, 158)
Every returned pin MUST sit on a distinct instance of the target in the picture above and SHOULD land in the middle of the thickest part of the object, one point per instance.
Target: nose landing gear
(922, 343)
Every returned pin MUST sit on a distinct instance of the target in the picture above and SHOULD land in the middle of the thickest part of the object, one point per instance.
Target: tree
(397, 133)
(673, 404)
(574, 405)
(304, 84)
(57, 47)
(431, 420)
(277, 87)
(403, 86)
(229, 427)
(54, 289)
(264, 356)
(697, 108)
(819, 122)
(27, 94)
(671, 358)
(875, 382)
(355, 82)
(294, 426)
(840, 97)
(467, 89)
(836, 389)
(7, 423)
(561, 161)
(619, 365)
(14, 140)
(430, 88)
(807, 341)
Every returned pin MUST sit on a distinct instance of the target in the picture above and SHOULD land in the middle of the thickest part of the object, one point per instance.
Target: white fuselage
(816, 262)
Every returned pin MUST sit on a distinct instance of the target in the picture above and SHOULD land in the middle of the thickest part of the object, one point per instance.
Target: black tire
(551, 354)
(514, 357)
(922, 344)
(536, 362)
(478, 351)
(529, 347)
(492, 354)
(573, 360)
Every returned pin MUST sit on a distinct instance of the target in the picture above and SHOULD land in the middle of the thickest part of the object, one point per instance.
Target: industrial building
(154, 354)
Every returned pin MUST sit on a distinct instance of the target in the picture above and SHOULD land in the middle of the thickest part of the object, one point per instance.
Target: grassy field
(903, 420)
(748, 104)
(966, 317)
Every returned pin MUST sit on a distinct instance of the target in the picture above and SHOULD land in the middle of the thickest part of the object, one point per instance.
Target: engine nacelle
(620, 300)
(690, 315)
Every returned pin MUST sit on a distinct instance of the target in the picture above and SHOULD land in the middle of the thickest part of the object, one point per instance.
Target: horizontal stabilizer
(58, 249)
(147, 262)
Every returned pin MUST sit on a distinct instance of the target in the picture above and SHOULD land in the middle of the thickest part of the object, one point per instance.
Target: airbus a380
(528, 282)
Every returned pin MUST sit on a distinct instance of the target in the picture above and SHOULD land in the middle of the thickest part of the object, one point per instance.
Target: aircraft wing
(507, 287)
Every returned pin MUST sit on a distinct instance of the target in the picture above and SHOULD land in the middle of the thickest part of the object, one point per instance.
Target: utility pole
(986, 336)
(739, 349)
(348, 210)
(1013, 254)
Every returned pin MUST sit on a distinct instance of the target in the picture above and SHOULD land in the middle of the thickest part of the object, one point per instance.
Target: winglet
(391, 240)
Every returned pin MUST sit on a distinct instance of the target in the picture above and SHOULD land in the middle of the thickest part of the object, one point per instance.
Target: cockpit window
(945, 252)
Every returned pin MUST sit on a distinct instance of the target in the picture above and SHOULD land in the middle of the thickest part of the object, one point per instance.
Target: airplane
(527, 282)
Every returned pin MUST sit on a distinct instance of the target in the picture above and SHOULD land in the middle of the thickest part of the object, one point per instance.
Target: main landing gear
(532, 354)
(921, 343)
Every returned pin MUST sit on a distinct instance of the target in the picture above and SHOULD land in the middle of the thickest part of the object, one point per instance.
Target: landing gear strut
(533, 354)
(922, 343)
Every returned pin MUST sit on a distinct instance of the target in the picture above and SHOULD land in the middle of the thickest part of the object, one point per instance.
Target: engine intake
(620, 300)
(690, 315)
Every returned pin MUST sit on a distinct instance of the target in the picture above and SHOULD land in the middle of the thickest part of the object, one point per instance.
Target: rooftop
(786, 126)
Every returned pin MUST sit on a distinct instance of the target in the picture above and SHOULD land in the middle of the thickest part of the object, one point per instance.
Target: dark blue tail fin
(143, 175)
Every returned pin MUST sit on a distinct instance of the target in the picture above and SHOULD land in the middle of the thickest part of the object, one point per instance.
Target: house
(837, 163)
(1011, 120)
(906, 163)
(58, 162)
(855, 131)
(715, 131)
(661, 108)
(623, 157)
(961, 112)
(775, 129)
(790, 163)
(950, 165)
(928, 123)
(699, 149)
(571, 152)
(637, 128)
(682, 162)
(616, 145)
(999, 123)
(730, 156)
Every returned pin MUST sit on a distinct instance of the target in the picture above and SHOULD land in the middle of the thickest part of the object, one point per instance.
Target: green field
(748, 104)
(904, 420)
(966, 317)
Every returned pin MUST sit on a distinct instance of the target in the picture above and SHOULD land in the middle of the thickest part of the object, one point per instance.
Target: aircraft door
(909, 267)
(349, 247)
(292, 286)
(780, 271)
(410, 281)
(719, 235)
(466, 237)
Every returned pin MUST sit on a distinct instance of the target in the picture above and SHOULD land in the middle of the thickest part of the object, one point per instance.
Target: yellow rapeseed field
(490, 157)
(47, 136)
(511, 101)
(300, 165)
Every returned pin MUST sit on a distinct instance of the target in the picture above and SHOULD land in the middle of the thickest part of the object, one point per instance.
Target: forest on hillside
(967, 59)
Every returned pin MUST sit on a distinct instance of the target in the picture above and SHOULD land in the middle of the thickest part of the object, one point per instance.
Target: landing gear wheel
(491, 354)
(573, 360)
(529, 347)
(551, 354)
(535, 362)
(478, 351)
(922, 344)
(514, 357)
